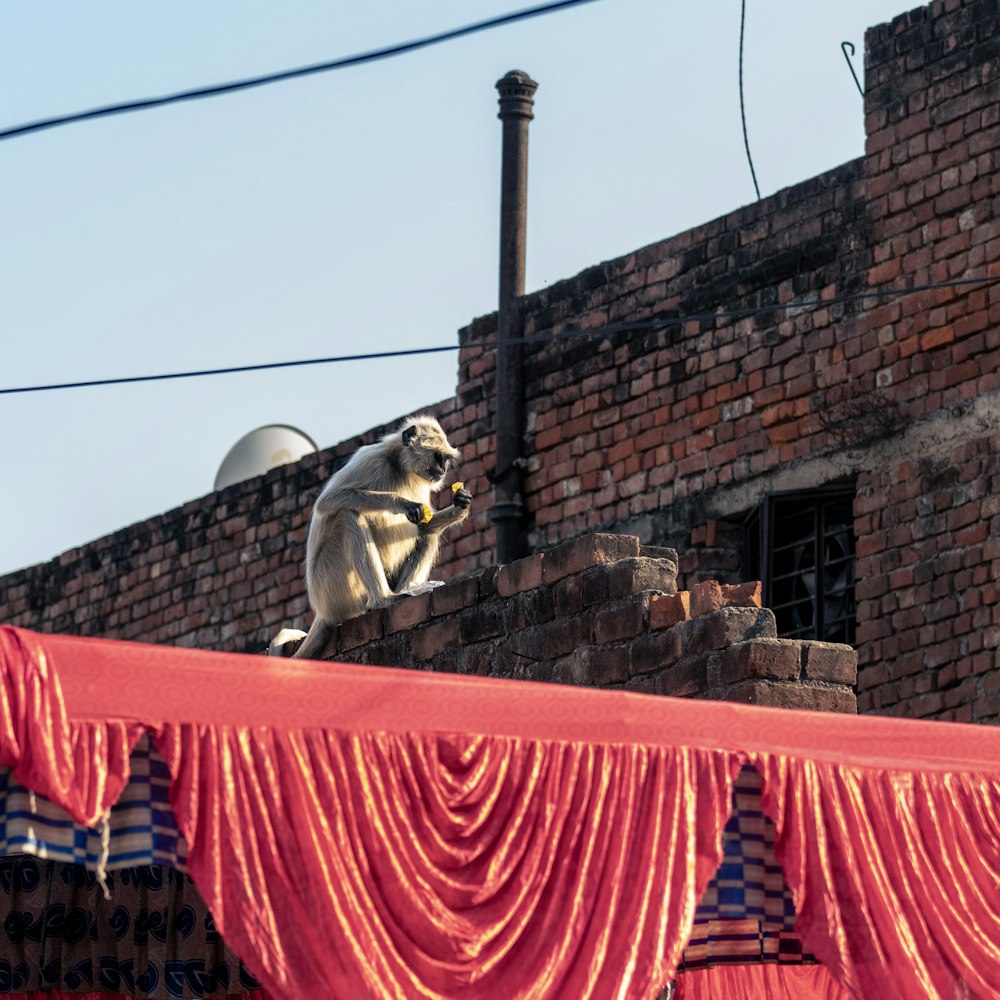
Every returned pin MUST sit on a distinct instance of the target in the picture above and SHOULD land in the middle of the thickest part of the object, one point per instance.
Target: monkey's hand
(412, 511)
(463, 499)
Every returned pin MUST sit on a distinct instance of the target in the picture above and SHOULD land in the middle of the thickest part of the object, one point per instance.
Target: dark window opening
(801, 546)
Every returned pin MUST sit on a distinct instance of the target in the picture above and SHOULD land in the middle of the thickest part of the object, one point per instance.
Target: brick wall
(636, 432)
(927, 528)
(675, 434)
(604, 611)
(928, 589)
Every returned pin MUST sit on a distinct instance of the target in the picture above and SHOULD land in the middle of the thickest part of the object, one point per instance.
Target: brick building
(814, 401)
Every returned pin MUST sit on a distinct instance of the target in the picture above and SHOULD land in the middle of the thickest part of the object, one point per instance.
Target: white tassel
(102, 861)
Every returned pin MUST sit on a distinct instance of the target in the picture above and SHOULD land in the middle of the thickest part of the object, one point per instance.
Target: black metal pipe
(516, 102)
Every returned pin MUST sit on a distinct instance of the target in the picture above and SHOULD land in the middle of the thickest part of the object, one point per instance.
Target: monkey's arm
(418, 564)
(367, 501)
(456, 513)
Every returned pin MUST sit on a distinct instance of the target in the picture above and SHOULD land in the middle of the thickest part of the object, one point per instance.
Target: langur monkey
(368, 540)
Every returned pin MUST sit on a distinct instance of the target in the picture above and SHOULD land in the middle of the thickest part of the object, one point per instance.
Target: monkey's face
(428, 454)
(430, 464)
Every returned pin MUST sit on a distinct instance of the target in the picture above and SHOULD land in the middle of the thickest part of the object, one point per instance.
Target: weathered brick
(390, 652)
(520, 575)
(775, 658)
(654, 652)
(828, 661)
(742, 595)
(481, 659)
(609, 665)
(533, 607)
(624, 621)
(667, 610)
(487, 580)
(687, 678)
(586, 551)
(706, 597)
(568, 595)
(576, 668)
(564, 635)
(454, 596)
(784, 694)
(429, 641)
(594, 586)
(723, 628)
(633, 576)
(357, 631)
(482, 622)
(527, 643)
(659, 552)
(407, 612)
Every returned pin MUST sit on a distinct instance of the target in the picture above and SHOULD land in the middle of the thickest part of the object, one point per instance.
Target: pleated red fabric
(82, 767)
(360, 832)
(762, 982)
(895, 874)
(448, 866)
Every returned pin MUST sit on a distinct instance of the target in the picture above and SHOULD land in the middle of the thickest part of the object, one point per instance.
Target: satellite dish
(261, 450)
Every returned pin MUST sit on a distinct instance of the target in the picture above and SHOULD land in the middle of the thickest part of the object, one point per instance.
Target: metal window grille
(801, 546)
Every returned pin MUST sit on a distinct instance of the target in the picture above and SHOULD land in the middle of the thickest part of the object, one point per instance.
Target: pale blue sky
(352, 211)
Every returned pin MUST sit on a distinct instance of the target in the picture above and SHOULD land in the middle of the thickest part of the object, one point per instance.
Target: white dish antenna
(261, 450)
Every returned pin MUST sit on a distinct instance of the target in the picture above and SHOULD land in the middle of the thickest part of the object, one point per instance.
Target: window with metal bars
(801, 546)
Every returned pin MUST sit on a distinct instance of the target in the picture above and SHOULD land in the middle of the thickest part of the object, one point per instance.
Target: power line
(743, 116)
(289, 74)
(661, 323)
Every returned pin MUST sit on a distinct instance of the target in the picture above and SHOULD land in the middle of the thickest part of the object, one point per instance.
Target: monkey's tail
(315, 641)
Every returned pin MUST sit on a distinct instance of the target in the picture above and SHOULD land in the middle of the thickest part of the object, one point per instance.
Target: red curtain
(360, 832)
(415, 865)
(82, 767)
(763, 982)
(895, 874)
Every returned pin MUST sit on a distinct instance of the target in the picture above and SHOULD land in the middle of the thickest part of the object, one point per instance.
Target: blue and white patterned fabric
(747, 912)
(143, 830)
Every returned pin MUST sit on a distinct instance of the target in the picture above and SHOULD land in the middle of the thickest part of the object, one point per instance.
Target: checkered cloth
(747, 913)
(142, 825)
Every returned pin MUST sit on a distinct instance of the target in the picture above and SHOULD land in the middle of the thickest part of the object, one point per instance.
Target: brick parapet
(603, 611)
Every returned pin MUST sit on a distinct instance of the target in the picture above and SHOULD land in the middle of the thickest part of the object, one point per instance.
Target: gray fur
(366, 545)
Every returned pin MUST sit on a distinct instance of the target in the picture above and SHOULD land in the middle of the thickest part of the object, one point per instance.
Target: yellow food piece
(428, 513)
(455, 487)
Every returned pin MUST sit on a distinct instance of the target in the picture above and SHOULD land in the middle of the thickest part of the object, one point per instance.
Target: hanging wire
(743, 116)
(661, 323)
(844, 46)
(289, 74)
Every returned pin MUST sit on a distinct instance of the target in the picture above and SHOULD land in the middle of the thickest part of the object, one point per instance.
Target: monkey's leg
(418, 564)
(346, 576)
(315, 641)
(368, 566)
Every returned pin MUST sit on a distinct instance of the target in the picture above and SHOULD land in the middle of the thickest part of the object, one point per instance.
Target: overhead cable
(214, 90)
(743, 116)
(660, 323)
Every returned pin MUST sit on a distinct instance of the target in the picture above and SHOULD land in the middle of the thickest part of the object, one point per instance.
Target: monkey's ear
(409, 433)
